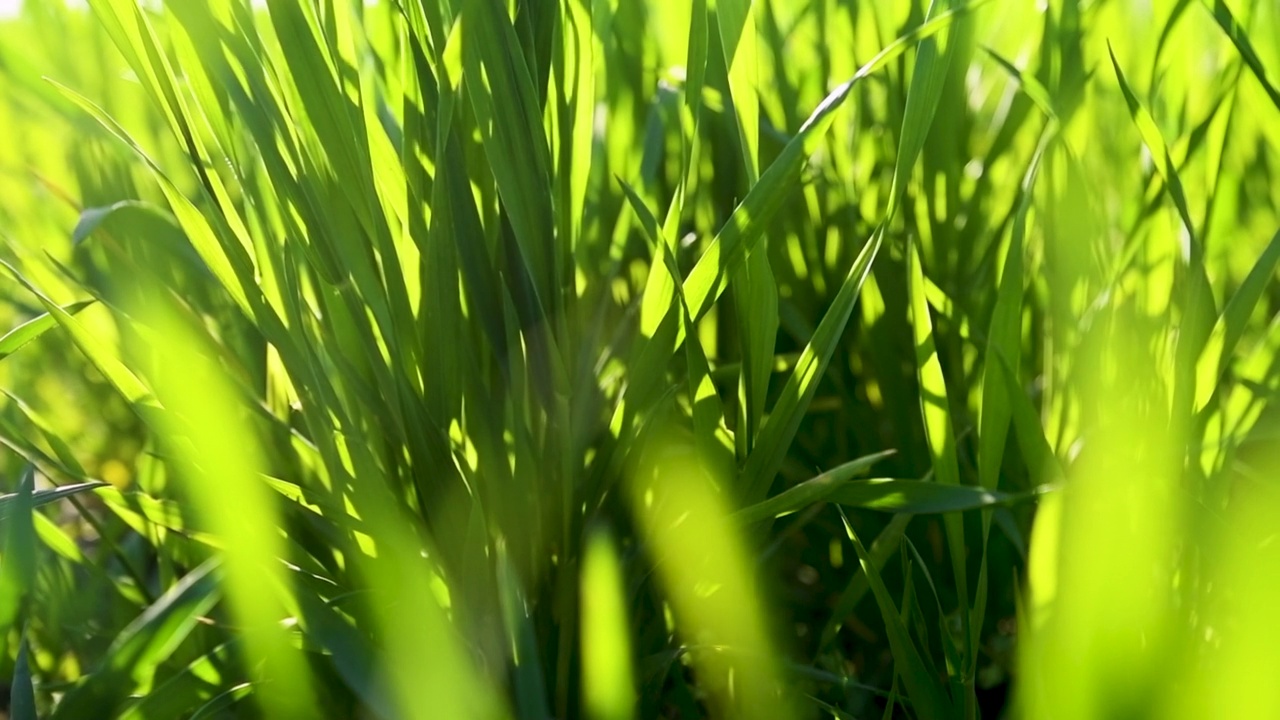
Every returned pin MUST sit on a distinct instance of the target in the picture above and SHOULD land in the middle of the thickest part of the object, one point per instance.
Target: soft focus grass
(609, 359)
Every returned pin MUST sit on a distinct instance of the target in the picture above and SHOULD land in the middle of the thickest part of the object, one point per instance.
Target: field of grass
(617, 359)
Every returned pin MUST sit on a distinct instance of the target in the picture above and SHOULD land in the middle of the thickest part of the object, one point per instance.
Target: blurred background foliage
(612, 359)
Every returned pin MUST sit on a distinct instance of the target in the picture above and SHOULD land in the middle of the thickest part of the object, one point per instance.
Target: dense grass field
(616, 359)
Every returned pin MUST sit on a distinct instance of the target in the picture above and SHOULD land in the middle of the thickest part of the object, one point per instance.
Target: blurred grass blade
(607, 683)
(221, 459)
(706, 577)
(121, 377)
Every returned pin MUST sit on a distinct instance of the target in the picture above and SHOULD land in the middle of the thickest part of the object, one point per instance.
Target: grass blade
(809, 492)
(922, 688)
(16, 338)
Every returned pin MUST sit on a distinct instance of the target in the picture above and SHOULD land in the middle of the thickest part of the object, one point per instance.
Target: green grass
(747, 359)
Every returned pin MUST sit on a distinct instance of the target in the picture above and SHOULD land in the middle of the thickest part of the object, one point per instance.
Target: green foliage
(594, 358)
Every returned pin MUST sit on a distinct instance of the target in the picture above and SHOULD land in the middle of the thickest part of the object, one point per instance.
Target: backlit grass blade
(745, 227)
(1031, 86)
(1197, 303)
(934, 406)
(576, 68)
(107, 363)
(935, 409)
(1229, 328)
(784, 419)
(1004, 341)
(811, 491)
(1231, 27)
(707, 411)
(232, 266)
(754, 289)
(34, 328)
(1041, 460)
(143, 644)
(514, 140)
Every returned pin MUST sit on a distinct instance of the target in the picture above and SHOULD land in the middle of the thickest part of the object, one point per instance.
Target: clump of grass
(599, 359)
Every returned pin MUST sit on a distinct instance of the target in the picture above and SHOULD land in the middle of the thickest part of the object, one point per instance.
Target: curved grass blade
(184, 690)
(810, 491)
(1031, 87)
(1230, 326)
(16, 338)
(224, 701)
(143, 644)
(125, 382)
